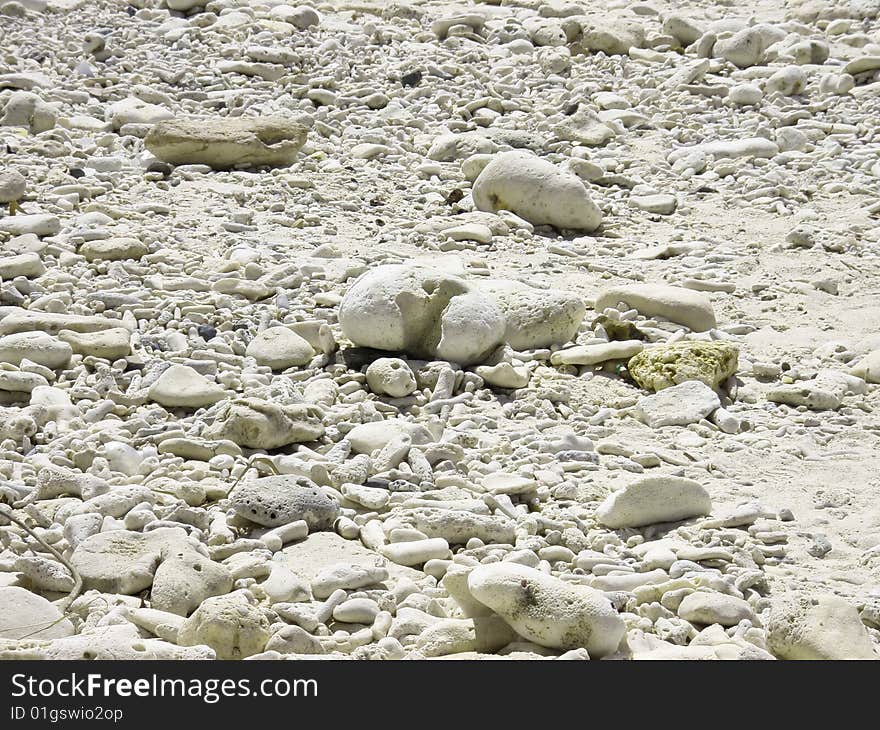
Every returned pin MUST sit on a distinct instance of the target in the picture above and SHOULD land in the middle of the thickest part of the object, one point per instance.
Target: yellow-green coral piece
(663, 366)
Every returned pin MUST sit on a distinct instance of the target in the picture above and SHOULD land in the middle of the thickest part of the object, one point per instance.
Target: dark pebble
(413, 78)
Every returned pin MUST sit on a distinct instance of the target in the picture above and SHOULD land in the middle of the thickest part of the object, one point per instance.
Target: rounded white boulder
(468, 324)
(185, 578)
(426, 313)
(536, 318)
(37, 347)
(683, 306)
(652, 500)
(279, 500)
(25, 614)
(788, 81)
(746, 47)
(537, 190)
(180, 386)
(231, 625)
(547, 610)
(279, 348)
(745, 94)
(12, 186)
(367, 437)
(817, 627)
(391, 376)
(709, 607)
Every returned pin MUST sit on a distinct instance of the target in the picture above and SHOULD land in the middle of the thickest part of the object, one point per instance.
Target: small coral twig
(77, 578)
(252, 464)
(42, 627)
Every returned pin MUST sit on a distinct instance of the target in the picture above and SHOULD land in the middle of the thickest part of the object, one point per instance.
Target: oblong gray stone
(675, 303)
(227, 142)
(652, 500)
(279, 500)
